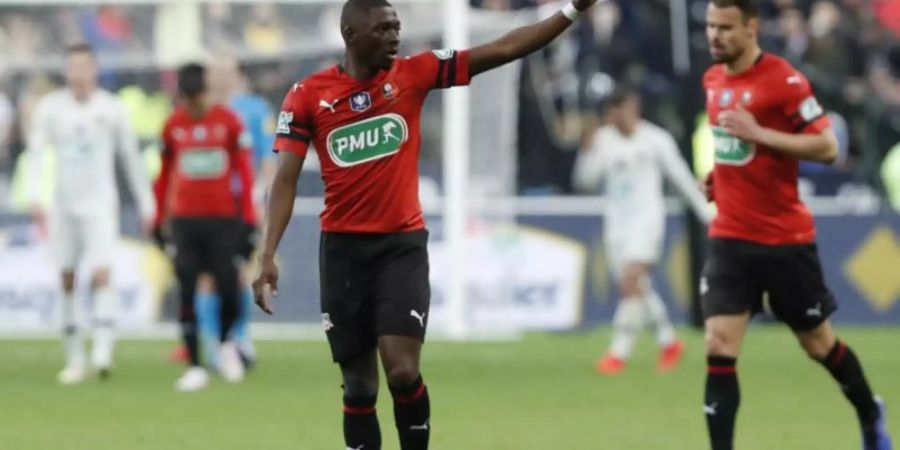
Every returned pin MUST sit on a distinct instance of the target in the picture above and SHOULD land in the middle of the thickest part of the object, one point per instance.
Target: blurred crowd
(848, 49)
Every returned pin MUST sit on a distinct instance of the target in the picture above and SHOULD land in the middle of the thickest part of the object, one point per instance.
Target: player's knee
(68, 281)
(403, 374)
(720, 342)
(360, 385)
(816, 347)
(100, 278)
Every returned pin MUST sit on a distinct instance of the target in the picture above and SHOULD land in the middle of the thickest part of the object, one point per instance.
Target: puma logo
(330, 106)
(815, 311)
(419, 317)
(423, 427)
(710, 409)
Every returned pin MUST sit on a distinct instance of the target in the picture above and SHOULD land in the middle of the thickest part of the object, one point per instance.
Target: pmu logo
(367, 140)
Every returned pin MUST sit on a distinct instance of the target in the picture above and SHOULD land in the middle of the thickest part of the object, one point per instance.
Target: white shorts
(83, 238)
(623, 249)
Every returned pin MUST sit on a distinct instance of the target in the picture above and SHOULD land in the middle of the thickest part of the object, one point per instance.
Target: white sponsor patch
(284, 122)
(810, 109)
(443, 54)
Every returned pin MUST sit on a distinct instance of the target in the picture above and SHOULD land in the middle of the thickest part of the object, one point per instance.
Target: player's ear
(753, 26)
(348, 33)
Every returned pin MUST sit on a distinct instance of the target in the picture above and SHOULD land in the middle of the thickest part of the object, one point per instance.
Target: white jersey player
(85, 126)
(634, 156)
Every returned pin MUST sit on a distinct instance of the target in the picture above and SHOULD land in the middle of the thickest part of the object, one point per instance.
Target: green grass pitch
(540, 393)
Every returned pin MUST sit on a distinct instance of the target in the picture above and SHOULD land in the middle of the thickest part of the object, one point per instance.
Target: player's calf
(412, 406)
(105, 313)
(361, 429)
(844, 366)
(722, 398)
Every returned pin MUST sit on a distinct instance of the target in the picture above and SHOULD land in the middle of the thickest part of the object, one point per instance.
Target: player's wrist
(570, 11)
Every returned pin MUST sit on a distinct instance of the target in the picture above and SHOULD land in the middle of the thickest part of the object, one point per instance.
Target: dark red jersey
(366, 135)
(200, 158)
(756, 187)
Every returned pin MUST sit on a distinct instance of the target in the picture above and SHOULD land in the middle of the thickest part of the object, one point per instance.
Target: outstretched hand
(268, 276)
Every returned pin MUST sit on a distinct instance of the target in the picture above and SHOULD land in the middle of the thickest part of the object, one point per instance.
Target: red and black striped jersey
(366, 135)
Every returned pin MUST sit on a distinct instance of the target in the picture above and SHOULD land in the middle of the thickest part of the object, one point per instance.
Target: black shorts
(738, 272)
(373, 285)
(206, 243)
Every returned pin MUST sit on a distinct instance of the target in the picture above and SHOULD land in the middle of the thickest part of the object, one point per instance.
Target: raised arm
(590, 165)
(524, 40)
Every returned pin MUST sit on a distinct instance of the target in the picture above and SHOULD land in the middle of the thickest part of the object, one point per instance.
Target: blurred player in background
(83, 126)
(634, 156)
(766, 118)
(204, 148)
(362, 116)
(229, 86)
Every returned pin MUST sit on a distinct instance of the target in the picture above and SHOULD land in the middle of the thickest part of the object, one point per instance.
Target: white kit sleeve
(135, 171)
(679, 174)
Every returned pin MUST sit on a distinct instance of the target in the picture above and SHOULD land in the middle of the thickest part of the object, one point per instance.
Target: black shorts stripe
(439, 81)
(451, 72)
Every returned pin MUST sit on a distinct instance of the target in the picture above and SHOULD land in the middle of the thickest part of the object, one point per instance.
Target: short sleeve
(294, 128)
(801, 107)
(440, 69)
(243, 140)
(168, 144)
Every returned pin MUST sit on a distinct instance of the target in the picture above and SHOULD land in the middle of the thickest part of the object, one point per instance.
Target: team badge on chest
(388, 90)
(360, 101)
(726, 98)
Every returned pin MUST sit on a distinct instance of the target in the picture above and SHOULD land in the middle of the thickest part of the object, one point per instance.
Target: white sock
(627, 322)
(105, 313)
(73, 331)
(659, 318)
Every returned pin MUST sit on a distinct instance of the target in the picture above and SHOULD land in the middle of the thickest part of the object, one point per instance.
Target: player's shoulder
(781, 72)
(177, 117)
(224, 111)
(314, 82)
(54, 97)
(109, 100)
(713, 74)
(653, 130)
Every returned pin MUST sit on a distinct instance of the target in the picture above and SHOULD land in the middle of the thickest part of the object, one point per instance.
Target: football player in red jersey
(362, 116)
(205, 147)
(765, 119)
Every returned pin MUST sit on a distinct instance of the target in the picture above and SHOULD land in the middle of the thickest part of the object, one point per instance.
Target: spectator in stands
(219, 27)
(264, 32)
(107, 29)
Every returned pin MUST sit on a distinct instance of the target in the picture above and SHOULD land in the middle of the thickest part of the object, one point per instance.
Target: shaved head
(355, 11)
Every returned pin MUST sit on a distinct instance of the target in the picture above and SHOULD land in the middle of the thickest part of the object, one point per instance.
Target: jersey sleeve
(161, 185)
(240, 160)
(439, 69)
(591, 164)
(295, 123)
(801, 106)
(678, 173)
